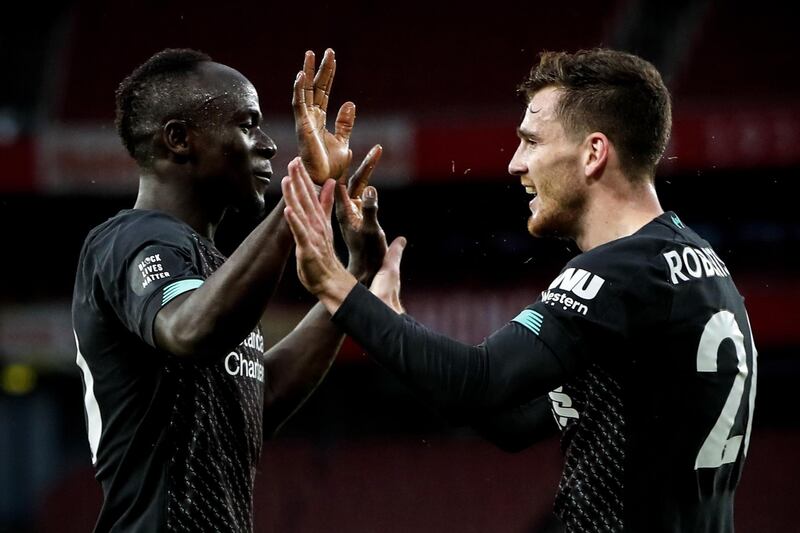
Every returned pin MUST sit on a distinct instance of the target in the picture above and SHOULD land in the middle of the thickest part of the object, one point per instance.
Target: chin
(540, 225)
(252, 208)
(533, 227)
(553, 226)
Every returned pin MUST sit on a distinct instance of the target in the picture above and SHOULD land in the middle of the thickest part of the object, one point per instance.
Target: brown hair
(613, 92)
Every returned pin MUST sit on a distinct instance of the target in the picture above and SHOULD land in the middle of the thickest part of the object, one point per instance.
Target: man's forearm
(219, 314)
(511, 367)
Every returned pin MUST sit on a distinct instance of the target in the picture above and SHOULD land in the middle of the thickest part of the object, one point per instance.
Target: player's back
(692, 399)
(664, 404)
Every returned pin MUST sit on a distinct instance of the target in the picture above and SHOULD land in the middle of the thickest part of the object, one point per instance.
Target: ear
(596, 153)
(175, 136)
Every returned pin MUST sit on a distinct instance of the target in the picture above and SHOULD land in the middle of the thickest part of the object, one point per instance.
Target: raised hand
(325, 155)
(386, 284)
(309, 219)
(357, 213)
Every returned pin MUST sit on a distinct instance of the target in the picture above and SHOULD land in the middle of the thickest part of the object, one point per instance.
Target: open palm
(325, 155)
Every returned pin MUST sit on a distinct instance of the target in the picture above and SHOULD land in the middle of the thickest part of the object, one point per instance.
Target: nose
(517, 166)
(265, 146)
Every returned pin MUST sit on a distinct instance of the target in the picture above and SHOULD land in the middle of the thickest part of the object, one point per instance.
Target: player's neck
(613, 214)
(180, 202)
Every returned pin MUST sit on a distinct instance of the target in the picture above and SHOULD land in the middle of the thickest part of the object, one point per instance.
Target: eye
(246, 127)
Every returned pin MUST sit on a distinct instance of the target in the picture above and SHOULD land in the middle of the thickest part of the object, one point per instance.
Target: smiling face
(231, 153)
(547, 161)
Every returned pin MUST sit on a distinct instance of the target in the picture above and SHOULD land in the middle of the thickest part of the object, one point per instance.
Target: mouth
(263, 175)
(530, 189)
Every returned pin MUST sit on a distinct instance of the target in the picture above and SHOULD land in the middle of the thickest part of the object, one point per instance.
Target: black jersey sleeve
(517, 428)
(510, 367)
(146, 265)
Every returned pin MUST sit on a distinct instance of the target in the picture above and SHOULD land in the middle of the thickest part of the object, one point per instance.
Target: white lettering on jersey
(236, 365)
(151, 269)
(578, 281)
(694, 263)
(563, 410)
(720, 447)
(553, 298)
(255, 341)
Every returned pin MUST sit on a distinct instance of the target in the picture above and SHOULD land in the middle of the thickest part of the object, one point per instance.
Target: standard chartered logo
(236, 365)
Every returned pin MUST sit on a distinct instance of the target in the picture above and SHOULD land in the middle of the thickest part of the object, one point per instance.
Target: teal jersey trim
(530, 319)
(178, 288)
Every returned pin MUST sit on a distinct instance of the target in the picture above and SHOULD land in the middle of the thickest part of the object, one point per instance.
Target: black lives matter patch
(153, 266)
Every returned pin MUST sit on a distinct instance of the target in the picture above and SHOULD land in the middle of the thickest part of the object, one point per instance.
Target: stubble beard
(561, 221)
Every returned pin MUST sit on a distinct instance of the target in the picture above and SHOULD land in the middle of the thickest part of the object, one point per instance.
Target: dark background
(435, 84)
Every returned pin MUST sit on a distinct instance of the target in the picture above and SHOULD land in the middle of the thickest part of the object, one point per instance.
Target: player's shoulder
(111, 246)
(131, 229)
(627, 280)
(633, 264)
(632, 254)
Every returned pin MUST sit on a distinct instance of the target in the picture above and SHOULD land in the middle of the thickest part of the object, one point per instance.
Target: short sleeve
(148, 265)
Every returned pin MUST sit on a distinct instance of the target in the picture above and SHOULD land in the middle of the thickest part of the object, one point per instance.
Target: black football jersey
(656, 422)
(644, 348)
(175, 442)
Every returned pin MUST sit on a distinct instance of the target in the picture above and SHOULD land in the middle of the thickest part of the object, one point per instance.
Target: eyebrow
(249, 112)
(523, 133)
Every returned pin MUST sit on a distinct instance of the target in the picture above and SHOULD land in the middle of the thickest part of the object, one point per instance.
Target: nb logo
(563, 410)
(583, 284)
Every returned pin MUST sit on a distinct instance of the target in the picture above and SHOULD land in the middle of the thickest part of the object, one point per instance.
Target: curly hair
(616, 93)
(153, 93)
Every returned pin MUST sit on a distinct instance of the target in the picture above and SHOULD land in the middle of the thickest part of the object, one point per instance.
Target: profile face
(548, 164)
(233, 152)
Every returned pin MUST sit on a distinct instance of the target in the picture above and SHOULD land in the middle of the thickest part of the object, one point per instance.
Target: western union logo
(581, 283)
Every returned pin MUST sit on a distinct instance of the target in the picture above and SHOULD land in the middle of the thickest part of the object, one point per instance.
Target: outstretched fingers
(299, 97)
(295, 216)
(394, 255)
(360, 178)
(308, 77)
(369, 207)
(326, 200)
(345, 120)
(386, 284)
(302, 189)
(324, 80)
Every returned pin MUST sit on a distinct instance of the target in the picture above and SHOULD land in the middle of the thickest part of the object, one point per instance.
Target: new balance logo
(563, 410)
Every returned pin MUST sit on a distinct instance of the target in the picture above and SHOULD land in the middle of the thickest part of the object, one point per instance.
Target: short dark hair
(616, 93)
(154, 92)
